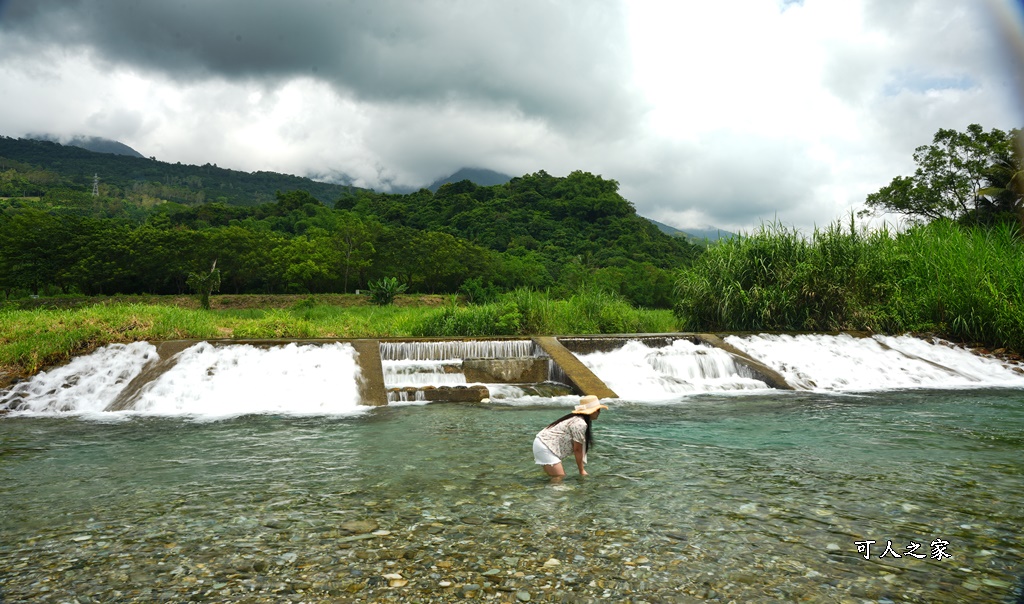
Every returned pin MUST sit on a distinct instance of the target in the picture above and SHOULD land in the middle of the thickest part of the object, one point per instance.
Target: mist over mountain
(189, 184)
(700, 236)
(181, 183)
(97, 144)
(477, 176)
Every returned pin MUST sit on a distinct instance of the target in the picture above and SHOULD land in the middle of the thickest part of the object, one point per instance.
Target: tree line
(538, 232)
(154, 224)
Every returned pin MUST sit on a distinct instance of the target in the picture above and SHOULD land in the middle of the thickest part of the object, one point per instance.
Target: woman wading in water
(568, 435)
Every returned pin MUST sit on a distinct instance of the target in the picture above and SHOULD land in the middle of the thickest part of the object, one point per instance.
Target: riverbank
(963, 283)
(58, 329)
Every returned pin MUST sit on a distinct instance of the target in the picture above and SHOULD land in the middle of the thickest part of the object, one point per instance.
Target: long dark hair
(586, 418)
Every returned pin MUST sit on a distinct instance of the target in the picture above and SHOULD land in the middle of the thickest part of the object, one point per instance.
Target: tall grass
(526, 312)
(33, 339)
(30, 340)
(963, 282)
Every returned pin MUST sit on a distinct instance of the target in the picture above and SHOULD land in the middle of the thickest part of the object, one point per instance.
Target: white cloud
(707, 113)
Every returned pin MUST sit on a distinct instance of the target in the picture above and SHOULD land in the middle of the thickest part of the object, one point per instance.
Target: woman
(567, 435)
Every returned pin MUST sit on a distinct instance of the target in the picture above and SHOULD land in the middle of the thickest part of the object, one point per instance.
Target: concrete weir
(763, 372)
(371, 378)
(539, 364)
(578, 374)
(166, 353)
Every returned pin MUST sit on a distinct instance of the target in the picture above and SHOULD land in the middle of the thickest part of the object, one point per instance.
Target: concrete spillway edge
(371, 373)
(767, 374)
(580, 376)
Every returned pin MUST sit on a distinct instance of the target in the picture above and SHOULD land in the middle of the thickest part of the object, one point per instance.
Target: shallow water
(752, 498)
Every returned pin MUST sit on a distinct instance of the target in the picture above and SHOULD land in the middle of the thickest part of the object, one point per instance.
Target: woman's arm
(579, 453)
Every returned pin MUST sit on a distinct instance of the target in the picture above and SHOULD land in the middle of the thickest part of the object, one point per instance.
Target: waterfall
(219, 380)
(458, 350)
(204, 381)
(439, 363)
(398, 374)
(87, 384)
(639, 372)
(847, 363)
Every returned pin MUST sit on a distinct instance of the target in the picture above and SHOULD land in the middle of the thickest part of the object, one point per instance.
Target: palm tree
(1004, 180)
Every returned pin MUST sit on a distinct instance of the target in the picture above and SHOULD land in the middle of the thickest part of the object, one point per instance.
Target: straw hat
(589, 405)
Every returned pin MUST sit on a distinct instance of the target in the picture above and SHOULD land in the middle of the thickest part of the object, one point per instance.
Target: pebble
(466, 539)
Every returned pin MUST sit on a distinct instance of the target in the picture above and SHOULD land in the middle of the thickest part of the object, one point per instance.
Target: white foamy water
(206, 381)
(399, 374)
(87, 383)
(846, 363)
(241, 379)
(640, 373)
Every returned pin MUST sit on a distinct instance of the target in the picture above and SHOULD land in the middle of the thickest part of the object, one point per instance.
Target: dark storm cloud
(566, 63)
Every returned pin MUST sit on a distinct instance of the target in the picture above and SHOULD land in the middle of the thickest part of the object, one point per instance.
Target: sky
(729, 114)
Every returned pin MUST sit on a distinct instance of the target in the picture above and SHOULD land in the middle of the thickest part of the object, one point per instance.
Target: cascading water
(640, 373)
(438, 363)
(87, 383)
(456, 350)
(401, 374)
(847, 363)
(204, 381)
(225, 380)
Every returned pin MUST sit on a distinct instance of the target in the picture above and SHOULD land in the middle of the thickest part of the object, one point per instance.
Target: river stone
(359, 526)
(523, 596)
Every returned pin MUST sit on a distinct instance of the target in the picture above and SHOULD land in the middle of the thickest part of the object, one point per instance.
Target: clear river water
(726, 493)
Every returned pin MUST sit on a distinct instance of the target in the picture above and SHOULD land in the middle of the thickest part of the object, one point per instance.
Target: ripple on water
(748, 500)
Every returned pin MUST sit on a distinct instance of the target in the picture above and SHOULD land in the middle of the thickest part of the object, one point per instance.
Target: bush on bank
(961, 282)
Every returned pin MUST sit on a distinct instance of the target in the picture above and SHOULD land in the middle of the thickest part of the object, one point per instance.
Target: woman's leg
(555, 470)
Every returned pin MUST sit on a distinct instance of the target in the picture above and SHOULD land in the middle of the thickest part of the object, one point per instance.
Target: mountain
(477, 176)
(180, 183)
(664, 228)
(91, 143)
(710, 234)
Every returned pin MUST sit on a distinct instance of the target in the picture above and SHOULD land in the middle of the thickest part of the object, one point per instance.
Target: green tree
(204, 284)
(306, 263)
(950, 178)
(1004, 179)
(353, 238)
(38, 249)
(245, 256)
(164, 255)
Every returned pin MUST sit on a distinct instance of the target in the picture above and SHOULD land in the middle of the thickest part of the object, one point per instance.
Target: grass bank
(963, 283)
(33, 339)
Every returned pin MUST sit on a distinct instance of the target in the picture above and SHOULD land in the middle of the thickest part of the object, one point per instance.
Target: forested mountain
(91, 143)
(476, 176)
(146, 180)
(144, 236)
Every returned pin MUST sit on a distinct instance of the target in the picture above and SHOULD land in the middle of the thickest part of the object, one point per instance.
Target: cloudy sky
(727, 113)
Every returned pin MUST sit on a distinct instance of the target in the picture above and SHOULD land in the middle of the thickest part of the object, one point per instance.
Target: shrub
(383, 292)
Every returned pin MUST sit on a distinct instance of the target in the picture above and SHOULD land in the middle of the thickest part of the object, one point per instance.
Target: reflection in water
(756, 498)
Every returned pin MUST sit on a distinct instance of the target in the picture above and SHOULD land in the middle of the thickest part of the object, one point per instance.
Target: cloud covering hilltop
(705, 113)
